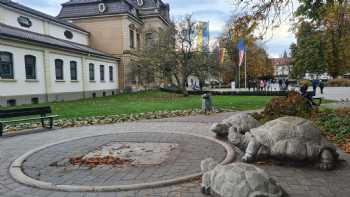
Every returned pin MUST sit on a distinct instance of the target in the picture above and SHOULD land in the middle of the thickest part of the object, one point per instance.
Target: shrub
(307, 82)
(292, 105)
(339, 83)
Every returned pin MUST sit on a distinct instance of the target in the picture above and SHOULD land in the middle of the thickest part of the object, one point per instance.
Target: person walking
(287, 84)
(321, 85)
(280, 83)
(314, 86)
(269, 85)
(262, 84)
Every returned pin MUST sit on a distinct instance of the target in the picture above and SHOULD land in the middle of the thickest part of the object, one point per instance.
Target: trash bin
(206, 103)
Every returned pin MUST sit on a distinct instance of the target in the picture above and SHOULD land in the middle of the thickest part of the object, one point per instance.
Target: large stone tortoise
(241, 122)
(237, 180)
(291, 139)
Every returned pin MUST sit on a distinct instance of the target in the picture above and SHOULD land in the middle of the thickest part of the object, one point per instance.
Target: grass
(148, 102)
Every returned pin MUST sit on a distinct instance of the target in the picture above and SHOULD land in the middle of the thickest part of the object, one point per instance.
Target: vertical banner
(202, 31)
(199, 29)
(206, 38)
(221, 58)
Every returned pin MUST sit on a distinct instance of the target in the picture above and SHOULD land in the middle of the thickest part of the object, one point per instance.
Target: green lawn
(148, 102)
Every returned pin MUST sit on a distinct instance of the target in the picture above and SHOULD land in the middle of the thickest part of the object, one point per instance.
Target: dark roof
(13, 32)
(87, 8)
(18, 6)
(83, 8)
(281, 61)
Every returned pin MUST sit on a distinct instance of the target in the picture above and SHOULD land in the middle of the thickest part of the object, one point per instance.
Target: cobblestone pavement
(184, 160)
(335, 93)
(298, 182)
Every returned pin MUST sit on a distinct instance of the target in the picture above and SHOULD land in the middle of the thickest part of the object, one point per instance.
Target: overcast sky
(217, 12)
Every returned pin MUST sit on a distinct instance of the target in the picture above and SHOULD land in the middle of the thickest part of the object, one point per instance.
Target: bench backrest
(10, 113)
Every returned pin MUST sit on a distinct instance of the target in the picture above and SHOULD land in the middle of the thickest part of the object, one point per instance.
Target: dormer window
(102, 7)
(134, 12)
(157, 3)
(24, 21)
(68, 34)
(140, 3)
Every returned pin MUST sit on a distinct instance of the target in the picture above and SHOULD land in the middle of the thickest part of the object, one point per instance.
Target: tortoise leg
(327, 160)
(251, 151)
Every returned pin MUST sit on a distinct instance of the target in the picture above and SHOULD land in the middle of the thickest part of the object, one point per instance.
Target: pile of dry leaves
(98, 161)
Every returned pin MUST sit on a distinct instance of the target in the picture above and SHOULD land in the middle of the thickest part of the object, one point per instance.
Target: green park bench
(9, 116)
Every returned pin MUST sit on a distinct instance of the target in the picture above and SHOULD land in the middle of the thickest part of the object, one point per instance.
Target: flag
(222, 55)
(202, 29)
(240, 46)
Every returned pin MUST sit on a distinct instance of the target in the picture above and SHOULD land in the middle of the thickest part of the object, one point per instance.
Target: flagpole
(245, 67)
(239, 76)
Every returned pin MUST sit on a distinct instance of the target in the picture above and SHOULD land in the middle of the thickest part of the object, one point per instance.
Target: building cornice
(56, 47)
(129, 15)
(156, 16)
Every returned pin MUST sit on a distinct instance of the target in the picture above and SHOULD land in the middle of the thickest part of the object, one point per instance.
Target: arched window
(30, 66)
(92, 72)
(102, 72)
(59, 69)
(6, 65)
(73, 71)
(111, 78)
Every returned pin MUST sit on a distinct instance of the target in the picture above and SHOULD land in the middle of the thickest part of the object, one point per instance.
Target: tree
(331, 18)
(258, 64)
(308, 53)
(173, 57)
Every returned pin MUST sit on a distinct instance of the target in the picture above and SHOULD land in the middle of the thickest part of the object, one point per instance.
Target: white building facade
(44, 59)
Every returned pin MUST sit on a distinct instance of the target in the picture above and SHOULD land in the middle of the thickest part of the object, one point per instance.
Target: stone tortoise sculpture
(237, 180)
(291, 139)
(242, 122)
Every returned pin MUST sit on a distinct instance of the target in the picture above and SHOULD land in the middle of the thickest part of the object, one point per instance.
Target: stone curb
(17, 173)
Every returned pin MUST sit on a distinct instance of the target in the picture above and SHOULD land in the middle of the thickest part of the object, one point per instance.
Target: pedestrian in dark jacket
(314, 86)
(321, 85)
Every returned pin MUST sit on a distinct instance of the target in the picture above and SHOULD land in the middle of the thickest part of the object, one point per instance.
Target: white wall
(98, 84)
(20, 86)
(58, 32)
(9, 17)
(66, 85)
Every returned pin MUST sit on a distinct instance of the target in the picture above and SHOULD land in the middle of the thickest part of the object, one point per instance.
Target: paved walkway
(298, 182)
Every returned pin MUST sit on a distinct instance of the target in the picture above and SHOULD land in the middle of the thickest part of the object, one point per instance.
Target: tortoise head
(220, 129)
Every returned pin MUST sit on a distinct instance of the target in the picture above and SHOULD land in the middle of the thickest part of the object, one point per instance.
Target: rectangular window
(6, 65)
(111, 73)
(30, 66)
(149, 40)
(73, 71)
(59, 69)
(132, 42)
(92, 72)
(102, 72)
(138, 40)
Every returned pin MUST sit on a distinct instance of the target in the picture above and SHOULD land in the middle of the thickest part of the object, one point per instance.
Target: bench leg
(51, 123)
(1, 129)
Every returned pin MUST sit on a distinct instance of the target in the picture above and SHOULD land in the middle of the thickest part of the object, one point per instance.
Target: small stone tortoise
(241, 122)
(291, 139)
(237, 180)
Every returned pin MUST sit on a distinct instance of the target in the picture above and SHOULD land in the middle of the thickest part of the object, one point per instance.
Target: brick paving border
(16, 170)
(298, 182)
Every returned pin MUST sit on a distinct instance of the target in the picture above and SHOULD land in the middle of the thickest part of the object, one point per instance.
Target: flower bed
(100, 120)
(336, 126)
